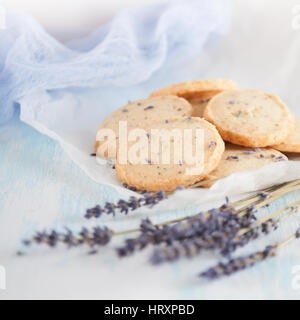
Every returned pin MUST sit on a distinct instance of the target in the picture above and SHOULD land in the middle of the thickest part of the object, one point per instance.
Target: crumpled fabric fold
(124, 52)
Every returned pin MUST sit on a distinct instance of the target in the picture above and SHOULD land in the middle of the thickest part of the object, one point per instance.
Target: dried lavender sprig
(227, 205)
(260, 202)
(241, 263)
(218, 222)
(94, 238)
(238, 264)
(213, 236)
(156, 234)
(191, 228)
(186, 231)
(98, 236)
(261, 227)
(263, 197)
(252, 234)
(150, 199)
(188, 248)
(220, 241)
(101, 236)
(149, 234)
(293, 207)
(124, 206)
(226, 242)
(270, 190)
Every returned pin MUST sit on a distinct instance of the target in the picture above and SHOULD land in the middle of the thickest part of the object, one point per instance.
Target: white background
(66, 19)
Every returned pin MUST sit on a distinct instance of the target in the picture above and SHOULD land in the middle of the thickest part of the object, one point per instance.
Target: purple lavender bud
(212, 144)
(148, 108)
(232, 158)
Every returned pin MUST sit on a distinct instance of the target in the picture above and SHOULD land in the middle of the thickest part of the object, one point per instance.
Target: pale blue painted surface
(40, 186)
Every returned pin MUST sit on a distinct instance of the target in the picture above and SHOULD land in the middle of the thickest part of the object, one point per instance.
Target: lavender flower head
(238, 264)
(147, 199)
(98, 236)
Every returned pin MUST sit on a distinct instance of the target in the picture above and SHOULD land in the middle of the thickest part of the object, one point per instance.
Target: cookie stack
(255, 125)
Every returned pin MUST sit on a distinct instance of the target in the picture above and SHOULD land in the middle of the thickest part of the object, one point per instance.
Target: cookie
(138, 113)
(197, 92)
(292, 142)
(237, 159)
(199, 101)
(250, 118)
(153, 173)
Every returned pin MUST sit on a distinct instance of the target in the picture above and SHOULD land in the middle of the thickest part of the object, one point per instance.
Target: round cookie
(137, 113)
(197, 92)
(292, 142)
(154, 174)
(237, 159)
(250, 118)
